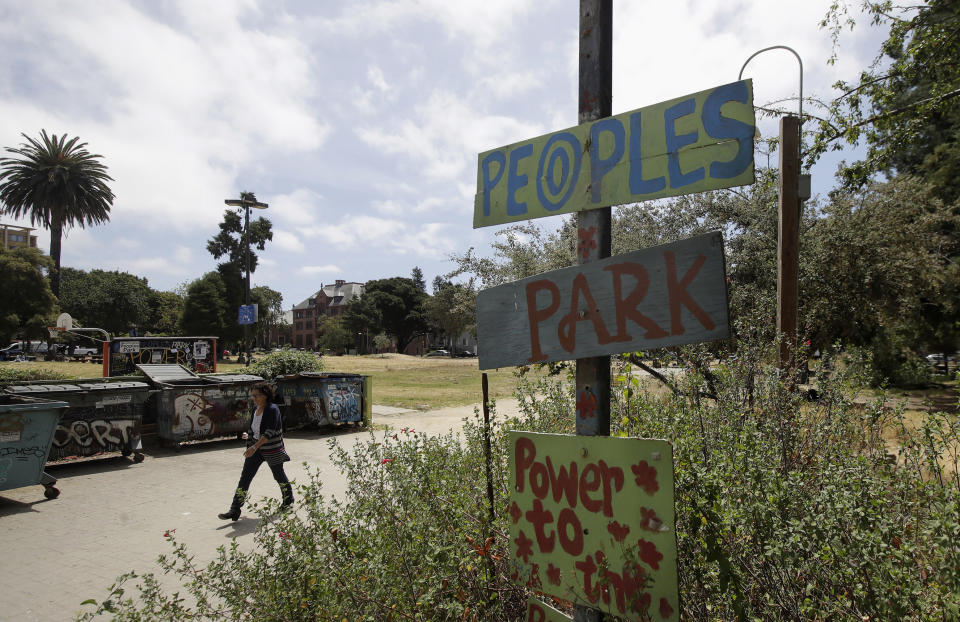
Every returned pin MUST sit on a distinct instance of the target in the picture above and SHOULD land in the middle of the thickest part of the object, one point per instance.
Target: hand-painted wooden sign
(541, 612)
(653, 298)
(690, 144)
(592, 521)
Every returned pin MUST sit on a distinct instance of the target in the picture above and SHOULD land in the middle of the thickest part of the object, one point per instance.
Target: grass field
(398, 380)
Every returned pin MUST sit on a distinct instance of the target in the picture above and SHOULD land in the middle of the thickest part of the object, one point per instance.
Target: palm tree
(56, 182)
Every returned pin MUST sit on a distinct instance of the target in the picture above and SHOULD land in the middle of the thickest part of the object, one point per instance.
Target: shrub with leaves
(787, 509)
(284, 362)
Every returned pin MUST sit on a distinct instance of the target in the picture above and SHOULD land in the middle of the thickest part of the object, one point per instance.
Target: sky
(358, 122)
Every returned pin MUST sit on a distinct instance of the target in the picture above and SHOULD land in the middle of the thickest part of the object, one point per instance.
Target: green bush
(786, 510)
(10, 374)
(284, 362)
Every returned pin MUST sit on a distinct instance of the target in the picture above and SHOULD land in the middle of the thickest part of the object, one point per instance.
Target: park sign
(657, 297)
(690, 144)
(592, 521)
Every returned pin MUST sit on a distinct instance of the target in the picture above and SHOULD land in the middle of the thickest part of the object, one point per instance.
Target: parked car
(24, 348)
(439, 353)
(466, 354)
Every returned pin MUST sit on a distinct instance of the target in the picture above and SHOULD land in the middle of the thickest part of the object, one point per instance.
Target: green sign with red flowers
(592, 521)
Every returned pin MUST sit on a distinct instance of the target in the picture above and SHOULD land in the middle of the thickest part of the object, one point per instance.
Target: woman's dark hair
(266, 388)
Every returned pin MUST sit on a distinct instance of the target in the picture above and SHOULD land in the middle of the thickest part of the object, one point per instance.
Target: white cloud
(375, 76)
(326, 269)
(287, 241)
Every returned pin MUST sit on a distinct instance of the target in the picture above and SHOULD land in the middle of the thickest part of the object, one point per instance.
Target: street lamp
(246, 201)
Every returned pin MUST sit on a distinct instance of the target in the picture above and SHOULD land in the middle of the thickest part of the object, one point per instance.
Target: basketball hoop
(64, 321)
(56, 331)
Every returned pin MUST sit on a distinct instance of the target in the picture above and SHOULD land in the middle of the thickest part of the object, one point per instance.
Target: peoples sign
(592, 521)
(690, 144)
(652, 298)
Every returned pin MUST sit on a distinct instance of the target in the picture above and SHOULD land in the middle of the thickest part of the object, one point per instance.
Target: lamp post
(246, 201)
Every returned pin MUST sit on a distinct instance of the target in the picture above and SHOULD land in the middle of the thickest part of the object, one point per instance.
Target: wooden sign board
(690, 144)
(653, 298)
(538, 611)
(592, 521)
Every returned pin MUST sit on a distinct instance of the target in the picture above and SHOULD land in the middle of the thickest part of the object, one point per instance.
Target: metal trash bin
(321, 398)
(189, 407)
(26, 431)
(105, 415)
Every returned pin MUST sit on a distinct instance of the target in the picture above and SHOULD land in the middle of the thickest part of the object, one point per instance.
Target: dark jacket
(271, 427)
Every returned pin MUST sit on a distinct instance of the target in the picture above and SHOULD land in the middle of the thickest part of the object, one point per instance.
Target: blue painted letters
(639, 185)
(545, 173)
(488, 183)
(516, 181)
(720, 127)
(600, 167)
(674, 143)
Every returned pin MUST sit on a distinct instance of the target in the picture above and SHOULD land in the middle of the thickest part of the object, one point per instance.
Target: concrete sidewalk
(111, 515)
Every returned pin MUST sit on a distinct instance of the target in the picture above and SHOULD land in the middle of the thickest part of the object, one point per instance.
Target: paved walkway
(111, 515)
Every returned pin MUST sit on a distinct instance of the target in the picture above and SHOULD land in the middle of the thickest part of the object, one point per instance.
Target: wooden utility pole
(593, 226)
(788, 242)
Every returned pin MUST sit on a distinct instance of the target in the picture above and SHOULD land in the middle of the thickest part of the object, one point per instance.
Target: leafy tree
(382, 342)
(393, 305)
(205, 308)
(906, 104)
(27, 305)
(167, 308)
(111, 300)
(417, 276)
(332, 334)
(269, 311)
(57, 183)
(229, 244)
(453, 309)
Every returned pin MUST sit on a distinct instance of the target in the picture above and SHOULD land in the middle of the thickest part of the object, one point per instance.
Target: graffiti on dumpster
(23, 453)
(11, 422)
(71, 437)
(343, 402)
(198, 415)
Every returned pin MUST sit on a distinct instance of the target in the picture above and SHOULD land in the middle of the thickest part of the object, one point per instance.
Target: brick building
(14, 236)
(329, 301)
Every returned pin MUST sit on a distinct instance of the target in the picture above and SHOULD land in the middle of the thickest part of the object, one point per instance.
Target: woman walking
(264, 444)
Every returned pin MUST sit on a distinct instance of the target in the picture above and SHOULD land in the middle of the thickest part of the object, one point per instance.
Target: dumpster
(27, 425)
(189, 407)
(105, 415)
(319, 398)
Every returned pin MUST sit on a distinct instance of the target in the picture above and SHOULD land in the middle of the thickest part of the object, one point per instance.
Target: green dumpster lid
(112, 386)
(233, 377)
(42, 388)
(319, 375)
(167, 372)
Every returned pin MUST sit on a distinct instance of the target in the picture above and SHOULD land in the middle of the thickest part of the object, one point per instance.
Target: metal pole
(788, 242)
(593, 374)
(246, 250)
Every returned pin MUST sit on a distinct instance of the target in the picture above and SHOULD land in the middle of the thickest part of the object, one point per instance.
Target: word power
(690, 144)
(653, 298)
(592, 521)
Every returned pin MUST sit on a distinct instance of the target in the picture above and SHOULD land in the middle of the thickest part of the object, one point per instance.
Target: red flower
(646, 477)
(166, 534)
(665, 609)
(386, 460)
(284, 535)
(515, 512)
(618, 531)
(649, 520)
(395, 437)
(586, 243)
(524, 547)
(650, 554)
(553, 574)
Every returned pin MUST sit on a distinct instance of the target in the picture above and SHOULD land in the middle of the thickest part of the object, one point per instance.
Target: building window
(17, 237)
